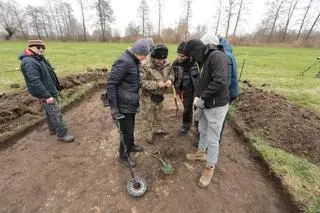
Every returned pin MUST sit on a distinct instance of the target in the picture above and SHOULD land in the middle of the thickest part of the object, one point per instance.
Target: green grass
(301, 178)
(279, 68)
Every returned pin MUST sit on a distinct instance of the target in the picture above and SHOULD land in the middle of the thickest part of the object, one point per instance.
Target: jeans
(54, 118)
(210, 126)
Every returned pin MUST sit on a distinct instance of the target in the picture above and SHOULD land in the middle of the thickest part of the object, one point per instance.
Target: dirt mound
(21, 109)
(287, 126)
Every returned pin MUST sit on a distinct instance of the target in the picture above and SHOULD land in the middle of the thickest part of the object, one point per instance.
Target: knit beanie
(37, 42)
(181, 47)
(141, 47)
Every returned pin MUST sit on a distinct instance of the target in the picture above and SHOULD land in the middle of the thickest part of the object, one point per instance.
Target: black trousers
(188, 97)
(127, 133)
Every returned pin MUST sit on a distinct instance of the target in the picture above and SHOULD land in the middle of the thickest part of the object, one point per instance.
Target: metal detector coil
(137, 186)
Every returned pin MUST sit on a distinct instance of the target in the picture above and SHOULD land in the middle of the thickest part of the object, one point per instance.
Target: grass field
(277, 68)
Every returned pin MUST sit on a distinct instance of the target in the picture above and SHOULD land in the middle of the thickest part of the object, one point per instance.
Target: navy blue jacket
(124, 84)
(39, 76)
(233, 71)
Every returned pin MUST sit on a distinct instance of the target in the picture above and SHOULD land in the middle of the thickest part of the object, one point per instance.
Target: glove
(197, 114)
(198, 102)
(116, 115)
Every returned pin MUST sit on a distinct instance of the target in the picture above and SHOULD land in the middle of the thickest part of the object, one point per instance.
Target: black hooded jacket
(213, 81)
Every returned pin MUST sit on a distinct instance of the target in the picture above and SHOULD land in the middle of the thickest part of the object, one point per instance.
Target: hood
(26, 53)
(226, 45)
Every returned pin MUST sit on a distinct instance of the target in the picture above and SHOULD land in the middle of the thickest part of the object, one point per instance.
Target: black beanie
(159, 51)
(181, 47)
(194, 48)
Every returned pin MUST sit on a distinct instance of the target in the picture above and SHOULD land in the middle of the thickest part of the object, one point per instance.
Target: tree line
(283, 21)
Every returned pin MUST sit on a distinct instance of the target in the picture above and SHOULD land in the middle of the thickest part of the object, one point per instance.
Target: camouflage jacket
(151, 75)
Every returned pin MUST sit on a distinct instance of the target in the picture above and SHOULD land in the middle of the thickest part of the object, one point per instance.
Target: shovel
(166, 168)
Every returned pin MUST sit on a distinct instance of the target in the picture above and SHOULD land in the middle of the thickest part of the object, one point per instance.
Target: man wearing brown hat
(43, 84)
(157, 76)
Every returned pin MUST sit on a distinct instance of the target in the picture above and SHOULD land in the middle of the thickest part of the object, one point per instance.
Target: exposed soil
(287, 126)
(21, 109)
(39, 174)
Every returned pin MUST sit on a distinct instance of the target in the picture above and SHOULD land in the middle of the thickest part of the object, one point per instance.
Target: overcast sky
(203, 12)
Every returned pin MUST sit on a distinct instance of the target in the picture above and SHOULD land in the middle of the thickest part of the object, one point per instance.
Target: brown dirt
(21, 109)
(39, 174)
(292, 128)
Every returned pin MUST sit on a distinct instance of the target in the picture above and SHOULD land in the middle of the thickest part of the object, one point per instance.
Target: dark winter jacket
(39, 76)
(186, 75)
(124, 84)
(213, 82)
(233, 71)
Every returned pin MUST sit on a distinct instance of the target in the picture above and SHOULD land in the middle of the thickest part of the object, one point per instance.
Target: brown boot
(206, 177)
(197, 156)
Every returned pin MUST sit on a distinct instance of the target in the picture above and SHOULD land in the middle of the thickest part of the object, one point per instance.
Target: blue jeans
(210, 126)
(54, 118)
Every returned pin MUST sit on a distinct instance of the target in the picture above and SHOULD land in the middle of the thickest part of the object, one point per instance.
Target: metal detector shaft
(125, 147)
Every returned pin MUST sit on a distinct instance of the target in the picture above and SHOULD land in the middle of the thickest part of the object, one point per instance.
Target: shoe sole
(202, 186)
(65, 141)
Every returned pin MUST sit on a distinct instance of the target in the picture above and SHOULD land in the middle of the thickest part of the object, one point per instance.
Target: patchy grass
(301, 178)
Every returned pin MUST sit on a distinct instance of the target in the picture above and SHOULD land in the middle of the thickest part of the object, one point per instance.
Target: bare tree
(132, 29)
(34, 14)
(18, 13)
(43, 20)
(52, 16)
(277, 5)
(187, 4)
(143, 13)
(304, 18)
(229, 10)
(105, 15)
(238, 17)
(8, 20)
(219, 15)
(292, 8)
(159, 16)
(83, 20)
(314, 23)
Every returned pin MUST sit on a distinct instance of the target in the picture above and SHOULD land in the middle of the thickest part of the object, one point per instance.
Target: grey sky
(203, 12)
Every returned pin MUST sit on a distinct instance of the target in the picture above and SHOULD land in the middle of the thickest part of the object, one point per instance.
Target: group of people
(204, 76)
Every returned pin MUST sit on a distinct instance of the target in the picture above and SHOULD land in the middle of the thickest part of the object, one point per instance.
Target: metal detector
(137, 186)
